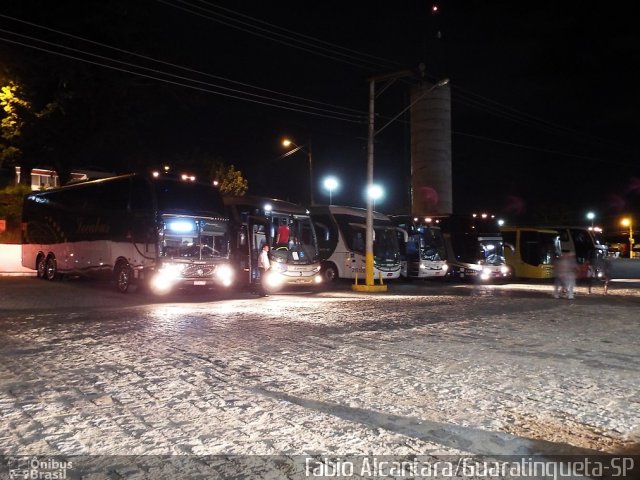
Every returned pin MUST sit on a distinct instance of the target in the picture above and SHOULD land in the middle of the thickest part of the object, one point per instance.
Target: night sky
(545, 108)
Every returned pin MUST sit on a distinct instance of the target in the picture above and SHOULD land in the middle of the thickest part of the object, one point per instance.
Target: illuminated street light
(591, 216)
(300, 148)
(626, 222)
(375, 192)
(331, 183)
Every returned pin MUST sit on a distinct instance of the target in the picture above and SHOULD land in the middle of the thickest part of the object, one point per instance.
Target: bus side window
(322, 230)
(358, 241)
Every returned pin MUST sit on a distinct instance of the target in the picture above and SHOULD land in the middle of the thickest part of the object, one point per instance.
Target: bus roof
(281, 206)
(344, 210)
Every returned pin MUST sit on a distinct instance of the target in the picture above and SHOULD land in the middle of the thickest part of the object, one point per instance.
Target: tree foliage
(26, 130)
(230, 180)
(11, 210)
(14, 108)
(211, 168)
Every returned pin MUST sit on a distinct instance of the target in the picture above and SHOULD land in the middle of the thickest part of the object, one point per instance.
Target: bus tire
(41, 266)
(329, 273)
(51, 268)
(122, 276)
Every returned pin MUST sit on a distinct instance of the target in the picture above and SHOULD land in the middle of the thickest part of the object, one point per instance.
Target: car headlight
(445, 267)
(504, 269)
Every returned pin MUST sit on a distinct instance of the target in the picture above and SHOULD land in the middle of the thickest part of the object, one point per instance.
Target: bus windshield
(296, 243)
(191, 238)
(431, 245)
(491, 252)
(385, 245)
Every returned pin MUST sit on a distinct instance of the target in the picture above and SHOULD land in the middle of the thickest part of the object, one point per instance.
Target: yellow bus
(529, 251)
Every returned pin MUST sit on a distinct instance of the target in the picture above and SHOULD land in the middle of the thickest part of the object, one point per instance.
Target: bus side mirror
(242, 236)
(405, 234)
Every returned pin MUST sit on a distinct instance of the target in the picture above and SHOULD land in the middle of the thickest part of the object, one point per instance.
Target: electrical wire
(173, 64)
(270, 35)
(383, 61)
(458, 94)
(194, 87)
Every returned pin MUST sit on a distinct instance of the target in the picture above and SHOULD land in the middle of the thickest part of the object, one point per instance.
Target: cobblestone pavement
(428, 369)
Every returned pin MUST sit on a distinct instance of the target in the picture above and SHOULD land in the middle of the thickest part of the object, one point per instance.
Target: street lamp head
(591, 215)
(286, 142)
(331, 183)
(375, 192)
(625, 222)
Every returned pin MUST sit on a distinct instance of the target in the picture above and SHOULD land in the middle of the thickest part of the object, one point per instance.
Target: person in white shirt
(264, 264)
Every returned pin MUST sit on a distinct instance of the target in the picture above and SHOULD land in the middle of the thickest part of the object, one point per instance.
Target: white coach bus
(286, 228)
(341, 239)
(423, 254)
(162, 232)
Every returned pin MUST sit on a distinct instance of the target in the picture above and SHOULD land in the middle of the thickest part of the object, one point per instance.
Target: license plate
(199, 282)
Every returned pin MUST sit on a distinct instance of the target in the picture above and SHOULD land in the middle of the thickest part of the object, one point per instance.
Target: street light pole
(369, 263)
(310, 173)
(297, 148)
(625, 222)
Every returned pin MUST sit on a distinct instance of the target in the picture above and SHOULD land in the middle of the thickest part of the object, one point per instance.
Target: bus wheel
(51, 268)
(41, 266)
(122, 277)
(330, 273)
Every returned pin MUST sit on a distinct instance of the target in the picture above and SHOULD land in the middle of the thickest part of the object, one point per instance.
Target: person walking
(565, 268)
(264, 264)
(606, 273)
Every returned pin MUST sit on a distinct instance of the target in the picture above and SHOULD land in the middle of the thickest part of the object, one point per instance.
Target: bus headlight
(224, 273)
(165, 277)
(273, 279)
(486, 274)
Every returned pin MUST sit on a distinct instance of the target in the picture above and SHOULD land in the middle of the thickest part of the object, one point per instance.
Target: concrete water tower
(431, 182)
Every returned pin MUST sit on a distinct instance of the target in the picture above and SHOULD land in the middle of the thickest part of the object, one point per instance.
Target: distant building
(44, 178)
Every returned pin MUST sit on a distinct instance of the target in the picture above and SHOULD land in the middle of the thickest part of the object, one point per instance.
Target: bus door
(259, 235)
(250, 237)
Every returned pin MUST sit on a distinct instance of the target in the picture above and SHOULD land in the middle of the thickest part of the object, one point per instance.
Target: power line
(194, 87)
(510, 113)
(483, 103)
(384, 62)
(271, 35)
(544, 150)
(361, 112)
